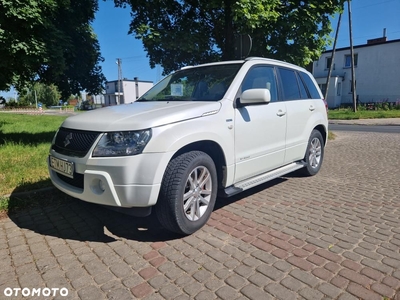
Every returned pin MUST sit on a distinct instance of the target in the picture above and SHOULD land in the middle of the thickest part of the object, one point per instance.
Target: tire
(314, 154)
(188, 193)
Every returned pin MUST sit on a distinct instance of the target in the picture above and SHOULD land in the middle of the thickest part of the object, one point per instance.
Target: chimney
(384, 32)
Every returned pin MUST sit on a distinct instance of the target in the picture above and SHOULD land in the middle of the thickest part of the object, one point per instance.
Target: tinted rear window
(289, 84)
(310, 86)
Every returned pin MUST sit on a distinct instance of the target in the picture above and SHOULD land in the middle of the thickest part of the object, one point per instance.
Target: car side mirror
(255, 96)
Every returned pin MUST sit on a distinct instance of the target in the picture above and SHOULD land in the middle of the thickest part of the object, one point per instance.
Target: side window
(310, 86)
(261, 77)
(303, 91)
(290, 87)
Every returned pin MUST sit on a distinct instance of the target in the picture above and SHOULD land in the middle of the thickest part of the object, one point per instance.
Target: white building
(377, 73)
(128, 92)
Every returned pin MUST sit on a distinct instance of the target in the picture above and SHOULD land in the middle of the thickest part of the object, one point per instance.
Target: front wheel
(188, 193)
(314, 154)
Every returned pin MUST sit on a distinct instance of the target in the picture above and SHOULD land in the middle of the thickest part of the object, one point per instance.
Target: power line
(373, 4)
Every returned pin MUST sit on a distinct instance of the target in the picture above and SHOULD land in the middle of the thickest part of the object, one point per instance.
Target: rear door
(300, 106)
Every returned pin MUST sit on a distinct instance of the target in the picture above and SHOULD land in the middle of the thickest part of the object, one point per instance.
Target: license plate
(62, 166)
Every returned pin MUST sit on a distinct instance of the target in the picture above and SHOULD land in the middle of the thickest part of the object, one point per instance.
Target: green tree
(179, 33)
(48, 95)
(49, 41)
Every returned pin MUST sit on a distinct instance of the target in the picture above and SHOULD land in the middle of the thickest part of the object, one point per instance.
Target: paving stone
(300, 263)
(213, 284)
(283, 266)
(330, 290)
(205, 295)
(91, 292)
(279, 292)
(377, 265)
(292, 284)
(158, 281)
(359, 291)
(383, 290)
(187, 265)
(371, 273)
(262, 256)
(141, 290)
(193, 288)
(304, 277)
(259, 279)
(148, 273)
(184, 280)
(254, 293)
(394, 263)
(236, 281)
(121, 270)
(271, 272)
(170, 291)
(311, 294)
(112, 285)
(226, 293)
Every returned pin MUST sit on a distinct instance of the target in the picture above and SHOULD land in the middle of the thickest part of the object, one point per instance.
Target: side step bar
(259, 179)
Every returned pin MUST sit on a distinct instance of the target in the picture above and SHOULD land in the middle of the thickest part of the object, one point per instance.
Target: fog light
(98, 186)
(102, 186)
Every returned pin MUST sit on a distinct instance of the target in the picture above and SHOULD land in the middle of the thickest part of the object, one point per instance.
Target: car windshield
(207, 83)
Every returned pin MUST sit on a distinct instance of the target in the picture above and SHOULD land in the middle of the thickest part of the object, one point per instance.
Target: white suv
(217, 128)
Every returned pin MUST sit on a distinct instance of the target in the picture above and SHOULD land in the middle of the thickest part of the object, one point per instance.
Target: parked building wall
(130, 90)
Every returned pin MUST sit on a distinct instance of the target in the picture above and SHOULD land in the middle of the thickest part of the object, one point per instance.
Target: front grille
(72, 142)
(77, 181)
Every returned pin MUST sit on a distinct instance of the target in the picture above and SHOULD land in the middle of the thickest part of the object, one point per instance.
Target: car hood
(140, 115)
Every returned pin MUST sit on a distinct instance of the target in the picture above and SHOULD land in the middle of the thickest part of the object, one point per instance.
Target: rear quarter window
(312, 89)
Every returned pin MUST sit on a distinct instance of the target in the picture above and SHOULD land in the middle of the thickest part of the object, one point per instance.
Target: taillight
(326, 104)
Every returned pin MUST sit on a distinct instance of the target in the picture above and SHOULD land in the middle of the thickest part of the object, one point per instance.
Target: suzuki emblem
(68, 139)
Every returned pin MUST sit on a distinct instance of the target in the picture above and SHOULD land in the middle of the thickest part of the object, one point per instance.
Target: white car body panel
(259, 139)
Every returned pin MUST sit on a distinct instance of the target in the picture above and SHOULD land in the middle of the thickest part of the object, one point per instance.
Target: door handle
(312, 108)
(281, 113)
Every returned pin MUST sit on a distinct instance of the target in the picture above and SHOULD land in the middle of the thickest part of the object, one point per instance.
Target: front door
(260, 130)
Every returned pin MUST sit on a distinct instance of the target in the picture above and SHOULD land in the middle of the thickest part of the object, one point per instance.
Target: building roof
(365, 45)
(130, 80)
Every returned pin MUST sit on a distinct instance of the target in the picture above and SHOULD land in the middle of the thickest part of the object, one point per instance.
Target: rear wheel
(314, 154)
(188, 193)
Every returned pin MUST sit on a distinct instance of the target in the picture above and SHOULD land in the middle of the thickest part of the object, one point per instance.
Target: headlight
(122, 143)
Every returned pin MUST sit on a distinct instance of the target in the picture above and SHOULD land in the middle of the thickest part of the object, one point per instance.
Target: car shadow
(222, 202)
(53, 213)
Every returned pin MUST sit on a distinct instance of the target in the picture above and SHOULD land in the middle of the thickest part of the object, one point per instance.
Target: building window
(328, 62)
(351, 85)
(347, 60)
(339, 88)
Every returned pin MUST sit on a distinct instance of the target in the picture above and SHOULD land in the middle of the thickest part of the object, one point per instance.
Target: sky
(369, 18)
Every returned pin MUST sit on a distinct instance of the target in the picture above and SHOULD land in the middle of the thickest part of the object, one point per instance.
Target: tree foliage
(49, 41)
(178, 33)
(48, 95)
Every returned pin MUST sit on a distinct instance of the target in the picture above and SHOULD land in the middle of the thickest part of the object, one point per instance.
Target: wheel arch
(214, 150)
(321, 128)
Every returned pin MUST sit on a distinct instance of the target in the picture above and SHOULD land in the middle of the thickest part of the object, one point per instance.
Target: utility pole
(119, 62)
(353, 71)
(35, 97)
(332, 58)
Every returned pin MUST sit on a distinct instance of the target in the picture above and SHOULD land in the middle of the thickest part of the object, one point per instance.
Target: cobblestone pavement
(332, 236)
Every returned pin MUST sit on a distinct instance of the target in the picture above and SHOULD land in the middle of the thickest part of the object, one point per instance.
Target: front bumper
(132, 181)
